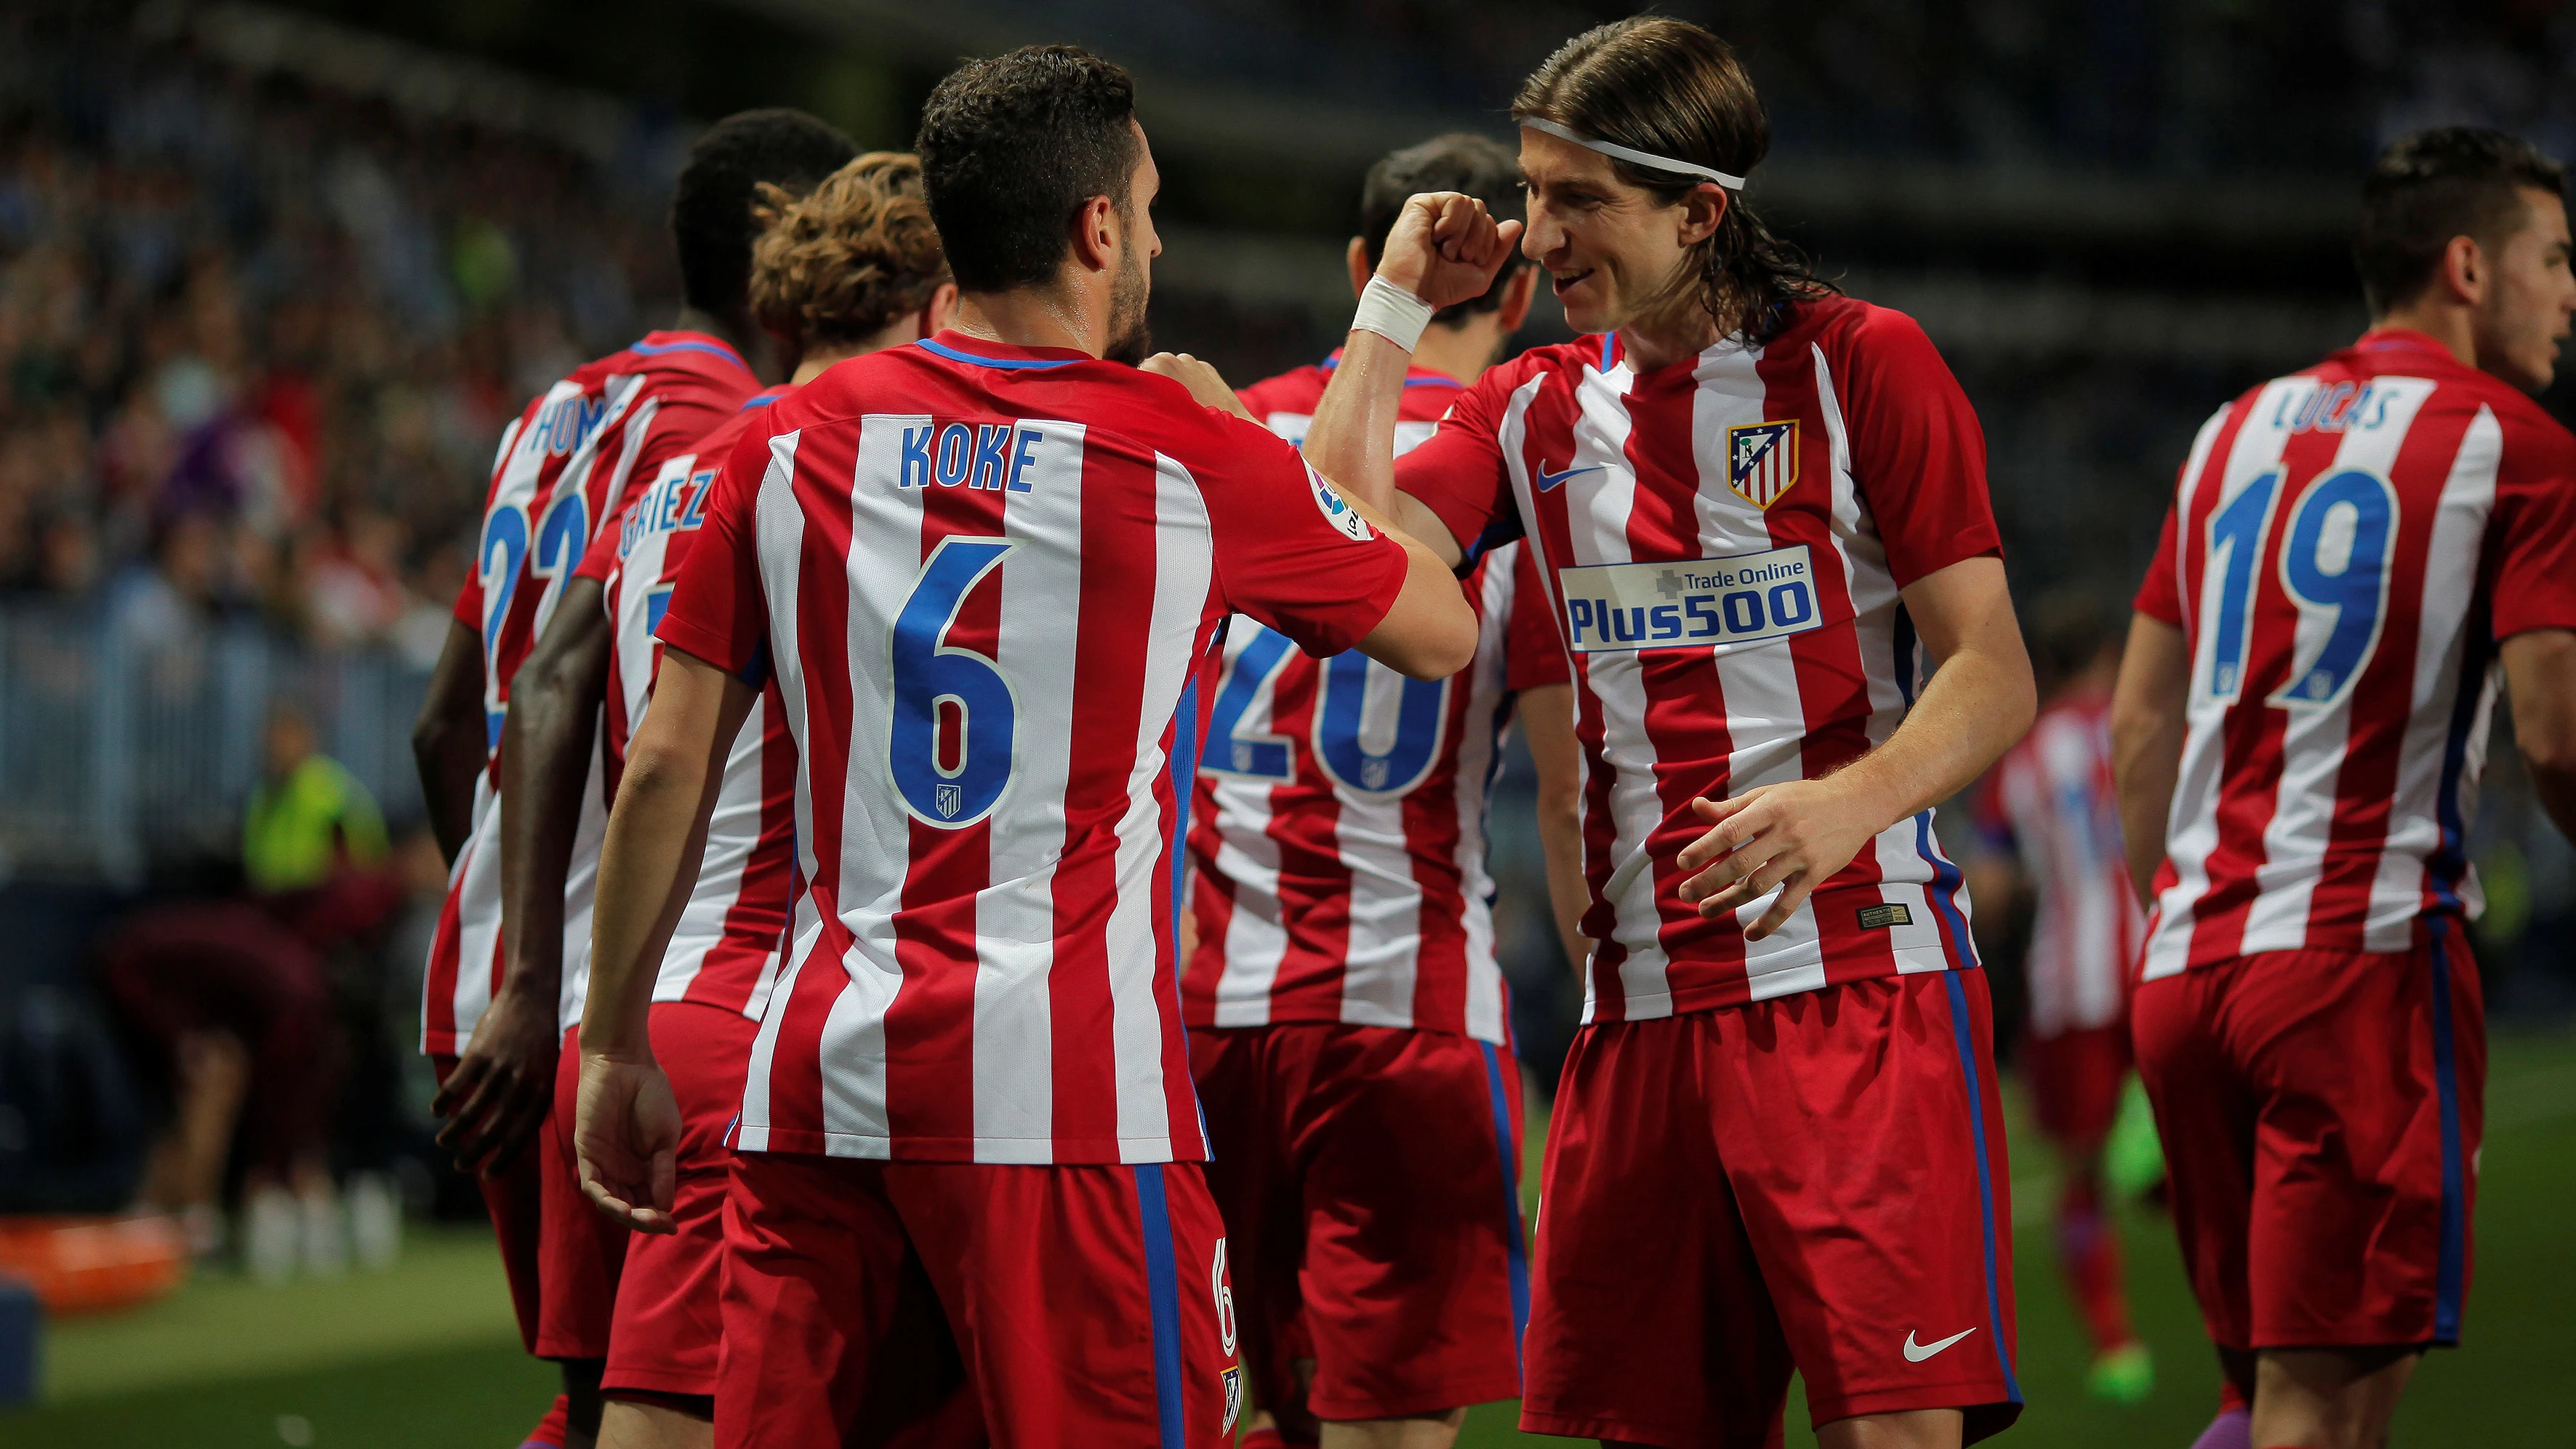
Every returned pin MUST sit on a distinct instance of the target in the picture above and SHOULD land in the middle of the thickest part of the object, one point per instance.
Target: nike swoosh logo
(1547, 481)
(1917, 1352)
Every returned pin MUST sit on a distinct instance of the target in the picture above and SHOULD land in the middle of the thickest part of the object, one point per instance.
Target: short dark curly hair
(1012, 148)
(2435, 185)
(711, 208)
(1478, 166)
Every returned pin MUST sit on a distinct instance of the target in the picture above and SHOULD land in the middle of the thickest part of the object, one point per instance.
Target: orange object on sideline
(81, 1265)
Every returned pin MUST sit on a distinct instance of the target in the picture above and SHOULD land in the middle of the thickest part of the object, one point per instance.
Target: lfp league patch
(1339, 513)
(1762, 461)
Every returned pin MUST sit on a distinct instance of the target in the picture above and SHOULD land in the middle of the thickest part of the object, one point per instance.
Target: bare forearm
(648, 863)
(2147, 727)
(1351, 438)
(448, 744)
(1569, 894)
(546, 748)
(1970, 712)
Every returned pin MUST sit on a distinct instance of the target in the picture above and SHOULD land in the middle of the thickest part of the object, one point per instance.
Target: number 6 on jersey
(956, 787)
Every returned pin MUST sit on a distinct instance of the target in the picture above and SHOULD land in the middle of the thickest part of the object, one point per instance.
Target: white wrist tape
(1392, 313)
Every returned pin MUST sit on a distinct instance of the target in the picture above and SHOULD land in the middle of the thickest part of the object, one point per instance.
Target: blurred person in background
(1762, 510)
(2049, 843)
(2356, 557)
(503, 989)
(850, 268)
(1349, 1028)
(236, 1001)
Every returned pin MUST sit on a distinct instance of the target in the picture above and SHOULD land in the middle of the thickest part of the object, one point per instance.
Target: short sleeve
(1458, 471)
(1289, 551)
(469, 599)
(1533, 650)
(2532, 543)
(718, 611)
(2160, 595)
(1917, 453)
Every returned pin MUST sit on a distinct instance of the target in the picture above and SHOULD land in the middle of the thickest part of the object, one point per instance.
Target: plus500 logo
(1688, 603)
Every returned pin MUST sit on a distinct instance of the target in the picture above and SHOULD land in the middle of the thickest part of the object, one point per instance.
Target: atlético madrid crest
(1762, 461)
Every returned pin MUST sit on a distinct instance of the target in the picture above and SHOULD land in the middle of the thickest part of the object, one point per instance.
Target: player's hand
(1789, 837)
(1445, 248)
(626, 1140)
(504, 1083)
(1201, 379)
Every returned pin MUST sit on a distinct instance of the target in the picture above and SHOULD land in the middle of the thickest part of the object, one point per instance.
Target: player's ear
(1702, 210)
(2464, 269)
(1096, 235)
(1357, 255)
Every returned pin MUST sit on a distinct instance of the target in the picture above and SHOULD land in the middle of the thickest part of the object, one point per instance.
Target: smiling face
(1616, 254)
(2528, 297)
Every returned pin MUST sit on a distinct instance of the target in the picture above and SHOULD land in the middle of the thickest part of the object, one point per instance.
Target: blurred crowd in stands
(256, 340)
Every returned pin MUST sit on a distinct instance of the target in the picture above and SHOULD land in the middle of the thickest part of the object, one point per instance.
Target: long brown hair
(841, 264)
(1669, 88)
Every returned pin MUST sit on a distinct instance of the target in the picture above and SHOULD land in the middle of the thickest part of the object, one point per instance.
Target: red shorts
(514, 1201)
(583, 1251)
(2321, 1112)
(1082, 1305)
(1815, 1181)
(2075, 1079)
(1369, 1181)
(668, 1321)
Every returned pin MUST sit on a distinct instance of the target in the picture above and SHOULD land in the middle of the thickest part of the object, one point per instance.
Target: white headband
(1637, 158)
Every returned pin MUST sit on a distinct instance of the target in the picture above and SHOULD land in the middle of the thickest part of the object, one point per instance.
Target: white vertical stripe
(1184, 574)
(1255, 940)
(778, 534)
(1015, 920)
(1486, 683)
(733, 834)
(1382, 954)
(2191, 829)
(2450, 581)
(1766, 717)
(581, 880)
(1598, 500)
(2313, 736)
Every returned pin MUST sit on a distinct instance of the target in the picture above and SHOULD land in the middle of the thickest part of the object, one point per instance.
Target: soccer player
(852, 267)
(492, 1014)
(2048, 825)
(2353, 553)
(985, 570)
(1348, 1024)
(1777, 1142)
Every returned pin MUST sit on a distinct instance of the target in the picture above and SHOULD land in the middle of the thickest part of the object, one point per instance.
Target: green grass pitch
(424, 1357)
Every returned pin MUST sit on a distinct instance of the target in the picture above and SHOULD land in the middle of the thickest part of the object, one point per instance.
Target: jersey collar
(956, 346)
(1413, 376)
(657, 344)
(2403, 339)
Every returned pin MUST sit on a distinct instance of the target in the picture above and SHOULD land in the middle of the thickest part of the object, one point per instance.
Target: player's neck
(817, 359)
(1059, 316)
(2454, 327)
(1462, 352)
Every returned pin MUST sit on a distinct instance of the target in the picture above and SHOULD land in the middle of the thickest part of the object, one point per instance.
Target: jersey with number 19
(565, 468)
(988, 579)
(2346, 547)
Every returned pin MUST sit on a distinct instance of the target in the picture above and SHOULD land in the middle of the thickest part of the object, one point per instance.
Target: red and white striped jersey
(726, 948)
(2050, 803)
(1339, 840)
(1724, 541)
(2345, 550)
(1286, 404)
(564, 468)
(987, 579)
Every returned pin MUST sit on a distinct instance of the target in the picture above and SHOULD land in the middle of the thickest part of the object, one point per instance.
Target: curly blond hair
(840, 264)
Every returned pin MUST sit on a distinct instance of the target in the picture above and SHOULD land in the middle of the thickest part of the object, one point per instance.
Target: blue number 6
(929, 674)
(2361, 510)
